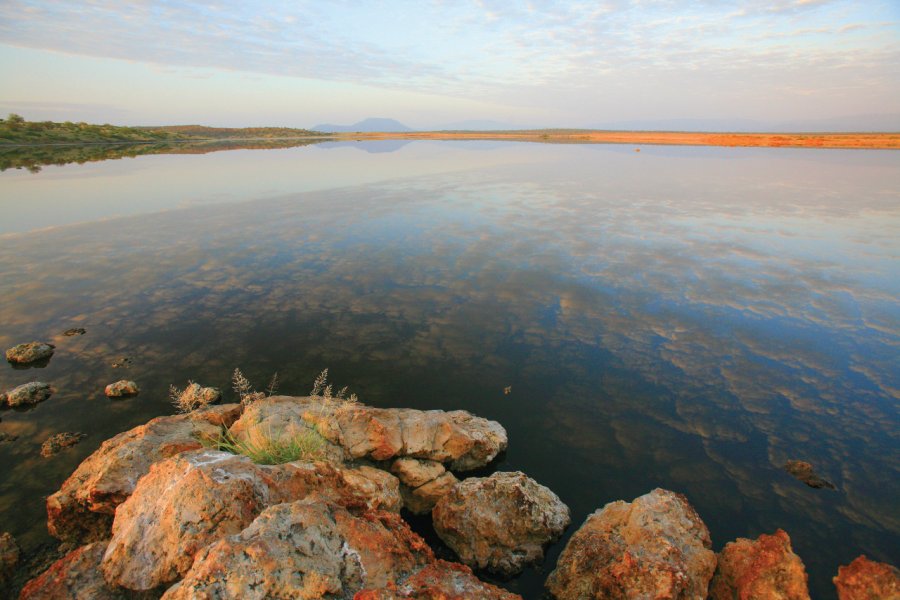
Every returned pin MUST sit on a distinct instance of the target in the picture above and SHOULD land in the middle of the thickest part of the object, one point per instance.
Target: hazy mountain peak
(367, 125)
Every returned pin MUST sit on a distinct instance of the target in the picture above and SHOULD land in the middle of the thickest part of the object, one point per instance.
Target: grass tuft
(267, 448)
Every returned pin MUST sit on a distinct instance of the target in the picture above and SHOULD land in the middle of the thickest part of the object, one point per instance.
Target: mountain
(366, 125)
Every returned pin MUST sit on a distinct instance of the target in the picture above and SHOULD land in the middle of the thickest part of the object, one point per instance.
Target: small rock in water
(803, 471)
(74, 331)
(7, 437)
(26, 394)
(59, 441)
(122, 363)
(30, 353)
(9, 556)
(762, 568)
(865, 579)
(122, 389)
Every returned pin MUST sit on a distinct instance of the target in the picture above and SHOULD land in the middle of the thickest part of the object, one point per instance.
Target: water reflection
(659, 326)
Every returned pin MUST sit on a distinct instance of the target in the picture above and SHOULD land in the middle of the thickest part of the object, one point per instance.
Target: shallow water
(686, 318)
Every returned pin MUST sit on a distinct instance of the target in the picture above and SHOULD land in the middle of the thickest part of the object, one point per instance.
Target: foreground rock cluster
(161, 511)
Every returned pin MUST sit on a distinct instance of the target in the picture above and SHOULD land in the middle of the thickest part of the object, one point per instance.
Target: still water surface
(686, 318)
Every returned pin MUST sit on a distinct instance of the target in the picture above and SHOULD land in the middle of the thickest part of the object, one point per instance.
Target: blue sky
(430, 63)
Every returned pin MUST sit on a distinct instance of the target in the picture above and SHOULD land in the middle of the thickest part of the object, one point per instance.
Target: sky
(434, 63)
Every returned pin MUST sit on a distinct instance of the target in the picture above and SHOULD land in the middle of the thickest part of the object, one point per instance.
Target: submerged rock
(74, 331)
(865, 579)
(27, 394)
(59, 441)
(653, 547)
(762, 568)
(122, 389)
(440, 580)
(30, 353)
(306, 549)
(7, 437)
(804, 471)
(500, 523)
(9, 557)
(122, 363)
(82, 509)
(424, 483)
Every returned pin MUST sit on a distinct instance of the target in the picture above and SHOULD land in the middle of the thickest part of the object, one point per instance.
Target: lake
(680, 317)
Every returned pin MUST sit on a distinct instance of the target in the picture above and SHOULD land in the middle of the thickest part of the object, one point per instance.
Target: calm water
(688, 318)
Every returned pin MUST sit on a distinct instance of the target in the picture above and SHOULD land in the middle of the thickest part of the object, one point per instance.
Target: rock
(32, 352)
(500, 523)
(26, 394)
(74, 331)
(189, 501)
(122, 363)
(7, 437)
(305, 549)
(82, 509)
(865, 579)
(803, 471)
(9, 557)
(653, 547)
(459, 438)
(122, 389)
(58, 441)
(424, 483)
(76, 576)
(440, 580)
(763, 568)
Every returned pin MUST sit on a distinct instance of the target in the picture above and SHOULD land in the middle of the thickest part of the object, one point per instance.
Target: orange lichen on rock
(762, 568)
(865, 579)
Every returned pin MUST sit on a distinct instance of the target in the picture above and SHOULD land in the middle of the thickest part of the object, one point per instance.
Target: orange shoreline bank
(871, 141)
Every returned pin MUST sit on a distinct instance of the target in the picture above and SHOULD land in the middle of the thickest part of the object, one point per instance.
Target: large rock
(653, 547)
(424, 482)
(440, 580)
(458, 438)
(82, 510)
(762, 568)
(122, 389)
(26, 394)
(500, 523)
(191, 500)
(32, 352)
(9, 557)
(305, 549)
(76, 576)
(865, 579)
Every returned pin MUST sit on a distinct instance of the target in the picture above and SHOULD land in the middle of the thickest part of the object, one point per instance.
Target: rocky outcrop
(9, 557)
(804, 471)
(189, 501)
(440, 580)
(77, 576)
(306, 549)
(865, 579)
(500, 523)
(653, 547)
(457, 438)
(122, 389)
(82, 510)
(423, 483)
(59, 441)
(762, 568)
(30, 353)
(26, 394)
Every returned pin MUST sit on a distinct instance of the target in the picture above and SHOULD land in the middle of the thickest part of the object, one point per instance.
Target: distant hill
(856, 123)
(366, 125)
(212, 133)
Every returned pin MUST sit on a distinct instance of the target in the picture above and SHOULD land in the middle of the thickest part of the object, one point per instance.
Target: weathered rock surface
(26, 394)
(305, 549)
(82, 510)
(9, 557)
(804, 471)
(76, 576)
(500, 523)
(459, 438)
(59, 441)
(865, 579)
(653, 547)
(440, 580)
(186, 502)
(762, 568)
(32, 352)
(424, 482)
(122, 389)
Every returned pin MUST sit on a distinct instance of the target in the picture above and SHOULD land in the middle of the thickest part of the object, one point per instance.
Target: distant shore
(870, 141)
